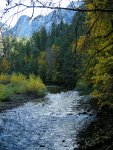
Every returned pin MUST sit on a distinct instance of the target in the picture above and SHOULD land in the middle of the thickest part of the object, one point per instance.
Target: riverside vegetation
(79, 56)
(18, 83)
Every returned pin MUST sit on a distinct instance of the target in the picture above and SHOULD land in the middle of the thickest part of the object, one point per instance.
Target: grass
(18, 83)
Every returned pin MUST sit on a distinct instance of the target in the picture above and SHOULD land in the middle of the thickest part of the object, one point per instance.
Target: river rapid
(52, 124)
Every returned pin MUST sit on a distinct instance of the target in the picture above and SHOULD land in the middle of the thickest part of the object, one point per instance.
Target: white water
(52, 124)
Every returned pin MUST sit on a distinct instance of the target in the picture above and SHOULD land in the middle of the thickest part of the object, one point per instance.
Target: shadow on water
(57, 89)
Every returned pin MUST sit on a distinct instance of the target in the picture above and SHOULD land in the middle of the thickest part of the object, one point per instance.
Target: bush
(17, 78)
(5, 92)
(83, 87)
(4, 78)
(35, 85)
(21, 88)
(18, 88)
(20, 84)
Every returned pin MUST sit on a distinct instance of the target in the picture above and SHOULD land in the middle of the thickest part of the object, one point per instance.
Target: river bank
(99, 134)
(18, 100)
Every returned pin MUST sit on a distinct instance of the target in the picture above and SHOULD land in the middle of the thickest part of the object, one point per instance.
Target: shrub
(36, 85)
(18, 88)
(20, 84)
(17, 78)
(5, 92)
(21, 89)
(4, 78)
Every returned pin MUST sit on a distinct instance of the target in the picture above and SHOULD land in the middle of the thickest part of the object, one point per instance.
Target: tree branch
(109, 147)
(65, 8)
(97, 52)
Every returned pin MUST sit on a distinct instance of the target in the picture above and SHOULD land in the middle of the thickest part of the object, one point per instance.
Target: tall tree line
(47, 54)
(95, 50)
(79, 54)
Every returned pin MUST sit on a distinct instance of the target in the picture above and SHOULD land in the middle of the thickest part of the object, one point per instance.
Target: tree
(97, 48)
(1, 44)
(42, 70)
(4, 65)
(40, 39)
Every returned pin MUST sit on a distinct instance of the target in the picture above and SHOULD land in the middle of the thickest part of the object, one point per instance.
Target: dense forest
(49, 55)
(77, 55)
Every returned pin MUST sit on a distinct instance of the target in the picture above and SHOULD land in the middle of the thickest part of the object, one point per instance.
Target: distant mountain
(4, 27)
(25, 27)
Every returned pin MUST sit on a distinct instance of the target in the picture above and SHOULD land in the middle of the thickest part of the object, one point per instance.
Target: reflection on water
(52, 124)
(56, 89)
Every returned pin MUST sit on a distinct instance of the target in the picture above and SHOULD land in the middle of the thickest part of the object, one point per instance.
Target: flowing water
(52, 124)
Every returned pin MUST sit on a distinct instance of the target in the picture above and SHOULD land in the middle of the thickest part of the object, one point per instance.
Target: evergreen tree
(1, 45)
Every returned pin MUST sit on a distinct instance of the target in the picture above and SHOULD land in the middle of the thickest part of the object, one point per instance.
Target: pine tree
(1, 44)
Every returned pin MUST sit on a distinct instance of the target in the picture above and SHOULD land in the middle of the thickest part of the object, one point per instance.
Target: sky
(11, 20)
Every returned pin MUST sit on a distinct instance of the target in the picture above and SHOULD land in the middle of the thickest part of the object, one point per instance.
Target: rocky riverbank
(99, 134)
(18, 100)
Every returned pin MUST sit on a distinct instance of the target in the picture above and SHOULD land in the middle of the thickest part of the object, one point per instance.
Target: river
(52, 124)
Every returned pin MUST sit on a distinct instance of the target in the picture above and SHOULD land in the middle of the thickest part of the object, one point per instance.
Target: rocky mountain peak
(25, 27)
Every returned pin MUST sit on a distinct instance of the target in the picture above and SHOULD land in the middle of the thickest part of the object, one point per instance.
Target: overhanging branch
(97, 52)
(63, 8)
